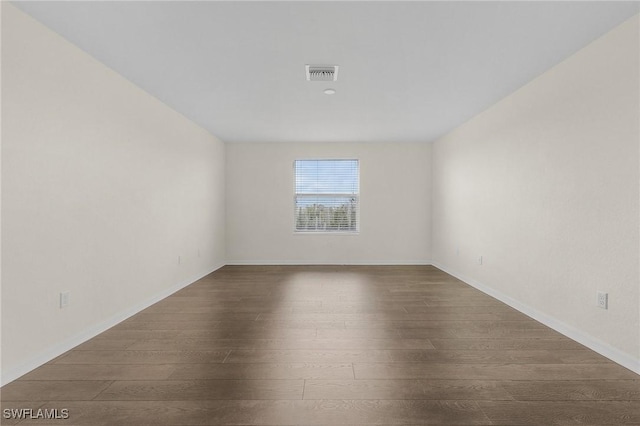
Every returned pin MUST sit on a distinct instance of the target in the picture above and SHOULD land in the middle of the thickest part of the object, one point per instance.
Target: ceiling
(409, 71)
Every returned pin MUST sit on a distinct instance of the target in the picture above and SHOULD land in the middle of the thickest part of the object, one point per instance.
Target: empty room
(320, 213)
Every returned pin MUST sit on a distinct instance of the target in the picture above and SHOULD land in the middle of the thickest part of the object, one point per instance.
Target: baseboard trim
(603, 348)
(58, 349)
(311, 263)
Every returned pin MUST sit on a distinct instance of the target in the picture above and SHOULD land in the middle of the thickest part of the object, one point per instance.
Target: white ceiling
(409, 71)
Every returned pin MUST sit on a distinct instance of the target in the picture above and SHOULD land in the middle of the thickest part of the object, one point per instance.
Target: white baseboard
(624, 359)
(421, 262)
(58, 349)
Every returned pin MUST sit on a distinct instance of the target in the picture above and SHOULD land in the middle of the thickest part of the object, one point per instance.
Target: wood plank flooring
(329, 345)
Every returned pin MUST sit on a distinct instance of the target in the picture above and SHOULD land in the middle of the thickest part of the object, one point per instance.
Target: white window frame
(316, 195)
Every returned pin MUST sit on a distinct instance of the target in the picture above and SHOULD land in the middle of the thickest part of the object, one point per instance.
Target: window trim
(356, 196)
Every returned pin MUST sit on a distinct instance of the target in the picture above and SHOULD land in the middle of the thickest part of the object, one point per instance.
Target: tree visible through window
(326, 195)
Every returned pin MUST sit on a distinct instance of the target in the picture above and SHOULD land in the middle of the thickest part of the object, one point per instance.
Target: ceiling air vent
(321, 72)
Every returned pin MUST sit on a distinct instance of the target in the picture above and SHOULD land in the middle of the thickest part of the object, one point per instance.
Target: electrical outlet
(603, 300)
(64, 299)
(480, 260)
(179, 260)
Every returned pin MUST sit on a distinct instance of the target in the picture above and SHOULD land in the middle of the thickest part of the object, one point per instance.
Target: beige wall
(394, 205)
(103, 187)
(545, 186)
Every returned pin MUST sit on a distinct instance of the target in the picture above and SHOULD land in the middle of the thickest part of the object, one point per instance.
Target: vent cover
(321, 72)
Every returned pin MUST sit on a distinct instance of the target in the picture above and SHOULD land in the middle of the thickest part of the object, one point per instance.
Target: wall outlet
(179, 260)
(64, 299)
(603, 300)
(480, 260)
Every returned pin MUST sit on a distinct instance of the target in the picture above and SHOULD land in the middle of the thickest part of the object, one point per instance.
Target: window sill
(350, 233)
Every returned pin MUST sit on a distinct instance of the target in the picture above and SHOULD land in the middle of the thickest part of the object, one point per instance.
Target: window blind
(326, 195)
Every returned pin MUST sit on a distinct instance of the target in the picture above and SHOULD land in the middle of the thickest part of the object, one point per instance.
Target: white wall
(103, 187)
(545, 186)
(394, 205)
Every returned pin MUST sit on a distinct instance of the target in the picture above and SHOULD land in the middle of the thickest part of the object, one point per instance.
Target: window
(326, 195)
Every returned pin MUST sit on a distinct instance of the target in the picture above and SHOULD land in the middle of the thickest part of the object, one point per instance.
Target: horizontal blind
(326, 195)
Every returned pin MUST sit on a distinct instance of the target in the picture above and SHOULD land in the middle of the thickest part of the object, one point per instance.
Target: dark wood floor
(330, 346)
